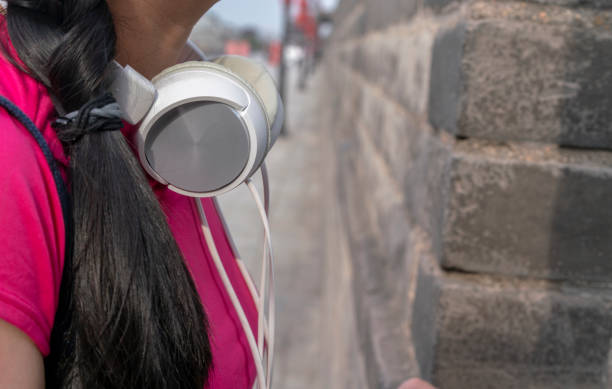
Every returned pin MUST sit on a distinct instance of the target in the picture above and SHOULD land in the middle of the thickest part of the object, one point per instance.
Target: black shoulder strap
(62, 317)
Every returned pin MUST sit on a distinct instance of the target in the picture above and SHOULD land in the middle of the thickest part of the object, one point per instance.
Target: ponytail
(134, 318)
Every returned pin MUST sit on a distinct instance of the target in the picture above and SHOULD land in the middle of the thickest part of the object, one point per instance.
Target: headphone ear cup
(258, 78)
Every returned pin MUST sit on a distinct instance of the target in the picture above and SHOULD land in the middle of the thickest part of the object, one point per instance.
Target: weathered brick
(604, 4)
(508, 334)
(378, 271)
(383, 14)
(345, 7)
(398, 63)
(378, 228)
(343, 362)
(445, 79)
(350, 22)
(475, 331)
(438, 4)
(412, 197)
(529, 211)
(414, 157)
(597, 4)
(423, 300)
(531, 73)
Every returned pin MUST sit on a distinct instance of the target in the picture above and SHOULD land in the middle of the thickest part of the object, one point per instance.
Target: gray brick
(439, 4)
(349, 22)
(375, 216)
(529, 211)
(378, 274)
(398, 65)
(478, 332)
(383, 14)
(597, 4)
(604, 4)
(412, 197)
(425, 303)
(415, 158)
(495, 333)
(445, 80)
(344, 9)
(529, 73)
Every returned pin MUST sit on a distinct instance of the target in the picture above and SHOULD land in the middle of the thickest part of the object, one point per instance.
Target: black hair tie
(98, 115)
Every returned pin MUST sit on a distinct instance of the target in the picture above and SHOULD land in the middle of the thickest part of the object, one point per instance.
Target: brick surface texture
(473, 152)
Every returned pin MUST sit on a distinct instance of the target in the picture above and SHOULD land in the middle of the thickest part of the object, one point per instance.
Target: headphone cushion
(255, 75)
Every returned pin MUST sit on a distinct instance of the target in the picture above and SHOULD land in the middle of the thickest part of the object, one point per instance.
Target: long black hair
(134, 318)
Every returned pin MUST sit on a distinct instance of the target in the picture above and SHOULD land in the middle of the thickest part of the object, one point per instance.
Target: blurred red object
(306, 21)
(274, 53)
(238, 47)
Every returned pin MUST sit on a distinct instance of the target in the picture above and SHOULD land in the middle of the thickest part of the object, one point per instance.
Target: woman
(135, 302)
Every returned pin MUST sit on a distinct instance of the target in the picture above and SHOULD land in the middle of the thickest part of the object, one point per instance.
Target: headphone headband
(134, 93)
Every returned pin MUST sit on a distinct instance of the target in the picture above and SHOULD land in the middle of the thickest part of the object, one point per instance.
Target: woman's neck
(152, 33)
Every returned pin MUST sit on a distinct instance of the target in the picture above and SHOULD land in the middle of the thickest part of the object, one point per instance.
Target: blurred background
(441, 194)
(264, 29)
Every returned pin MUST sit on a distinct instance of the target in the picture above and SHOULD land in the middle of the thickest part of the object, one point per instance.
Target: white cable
(263, 384)
(262, 325)
(266, 328)
(243, 270)
(272, 295)
(262, 291)
(266, 187)
(254, 293)
(271, 308)
(262, 299)
(241, 265)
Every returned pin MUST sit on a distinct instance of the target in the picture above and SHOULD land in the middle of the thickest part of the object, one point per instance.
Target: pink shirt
(32, 238)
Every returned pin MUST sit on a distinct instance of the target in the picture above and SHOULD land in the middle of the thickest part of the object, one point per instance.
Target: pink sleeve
(31, 235)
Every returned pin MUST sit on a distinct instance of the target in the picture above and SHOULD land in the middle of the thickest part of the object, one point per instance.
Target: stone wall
(474, 183)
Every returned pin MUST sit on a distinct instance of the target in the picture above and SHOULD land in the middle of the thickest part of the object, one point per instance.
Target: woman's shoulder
(31, 234)
(32, 230)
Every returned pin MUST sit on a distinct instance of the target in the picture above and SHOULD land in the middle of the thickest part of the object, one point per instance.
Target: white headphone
(205, 127)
